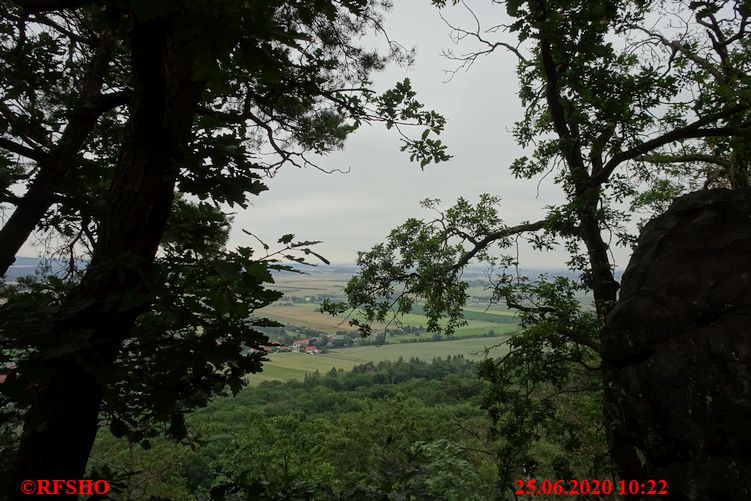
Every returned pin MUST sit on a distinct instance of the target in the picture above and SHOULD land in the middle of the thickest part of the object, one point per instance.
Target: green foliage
(545, 397)
(195, 229)
(377, 431)
(268, 455)
(280, 80)
(547, 387)
(620, 113)
(398, 106)
(191, 344)
(419, 262)
(382, 431)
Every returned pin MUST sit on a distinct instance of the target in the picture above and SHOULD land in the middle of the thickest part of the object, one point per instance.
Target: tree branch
(46, 20)
(22, 150)
(468, 59)
(692, 130)
(106, 102)
(598, 146)
(34, 6)
(567, 130)
(497, 235)
(679, 47)
(23, 128)
(58, 162)
(689, 157)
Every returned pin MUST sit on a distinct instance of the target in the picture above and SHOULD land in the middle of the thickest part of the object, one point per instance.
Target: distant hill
(29, 265)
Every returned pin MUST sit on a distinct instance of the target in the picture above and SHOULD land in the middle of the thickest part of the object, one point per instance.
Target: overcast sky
(353, 211)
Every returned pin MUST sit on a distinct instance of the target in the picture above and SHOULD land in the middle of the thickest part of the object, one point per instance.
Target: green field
(286, 366)
(479, 320)
(303, 312)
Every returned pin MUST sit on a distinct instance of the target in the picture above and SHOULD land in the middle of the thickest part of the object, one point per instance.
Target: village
(300, 345)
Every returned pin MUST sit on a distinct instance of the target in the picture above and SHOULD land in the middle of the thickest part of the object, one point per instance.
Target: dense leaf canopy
(226, 93)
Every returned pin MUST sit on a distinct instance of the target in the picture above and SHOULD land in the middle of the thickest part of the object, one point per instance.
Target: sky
(354, 211)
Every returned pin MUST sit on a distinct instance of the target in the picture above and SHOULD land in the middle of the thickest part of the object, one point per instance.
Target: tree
(57, 73)
(391, 449)
(711, 57)
(196, 93)
(606, 110)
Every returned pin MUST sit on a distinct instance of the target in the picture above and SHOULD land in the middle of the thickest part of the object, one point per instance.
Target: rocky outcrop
(677, 347)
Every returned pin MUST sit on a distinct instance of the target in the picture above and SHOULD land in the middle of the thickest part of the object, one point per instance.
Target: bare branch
(705, 64)
(469, 58)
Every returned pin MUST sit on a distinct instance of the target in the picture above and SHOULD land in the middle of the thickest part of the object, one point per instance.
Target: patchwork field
(299, 308)
(479, 320)
(286, 366)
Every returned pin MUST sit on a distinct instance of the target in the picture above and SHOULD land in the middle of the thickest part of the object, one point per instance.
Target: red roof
(310, 348)
(301, 342)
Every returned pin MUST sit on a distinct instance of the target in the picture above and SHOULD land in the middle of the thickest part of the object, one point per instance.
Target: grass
(287, 366)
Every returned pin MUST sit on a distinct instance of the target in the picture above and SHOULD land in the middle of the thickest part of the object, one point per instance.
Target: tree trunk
(587, 197)
(59, 428)
(605, 291)
(62, 421)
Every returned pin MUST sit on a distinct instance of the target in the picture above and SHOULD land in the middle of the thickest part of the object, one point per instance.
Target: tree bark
(60, 427)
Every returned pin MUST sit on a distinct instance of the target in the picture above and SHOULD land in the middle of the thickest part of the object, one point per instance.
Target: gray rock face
(677, 347)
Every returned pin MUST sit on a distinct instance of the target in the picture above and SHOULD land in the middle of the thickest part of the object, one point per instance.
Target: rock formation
(677, 347)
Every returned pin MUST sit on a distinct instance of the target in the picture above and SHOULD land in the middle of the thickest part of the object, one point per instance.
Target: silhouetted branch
(497, 235)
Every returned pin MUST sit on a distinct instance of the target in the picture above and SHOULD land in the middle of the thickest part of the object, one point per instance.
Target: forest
(392, 429)
(137, 137)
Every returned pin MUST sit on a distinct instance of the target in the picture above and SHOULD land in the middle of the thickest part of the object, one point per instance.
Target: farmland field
(317, 281)
(286, 366)
(480, 320)
(299, 309)
(305, 315)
